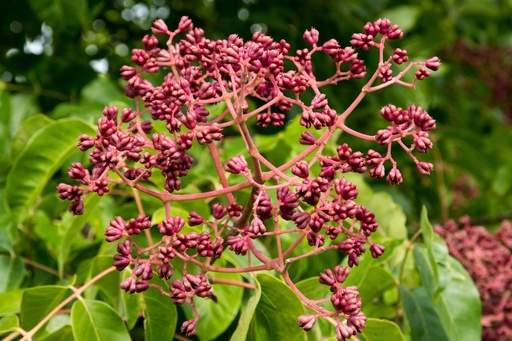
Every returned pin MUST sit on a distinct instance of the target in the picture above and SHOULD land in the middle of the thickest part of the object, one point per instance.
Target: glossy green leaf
(456, 311)
(42, 156)
(95, 320)
(381, 330)
(10, 302)
(277, 312)
(160, 316)
(13, 271)
(37, 302)
(247, 315)
(459, 306)
(217, 316)
(27, 129)
(9, 323)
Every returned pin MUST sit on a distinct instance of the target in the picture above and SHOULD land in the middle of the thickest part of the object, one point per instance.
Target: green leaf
(70, 229)
(109, 284)
(22, 106)
(426, 228)
(101, 91)
(381, 330)
(28, 128)
(248, 311)
(10, 302)
(94, 320)
(277, 312)
(13, 271)
(423, 319)
(132, 307)
(63, 334)
(432, 263)
(42, 156)
(37, 302)
(371, 282)
(160, 316)
(459, 306)
(406, 16)
(389, 214)
(216, 317)
(456, 313)
(9, 323)
(433, 269)
(61, 15)
(313, 290)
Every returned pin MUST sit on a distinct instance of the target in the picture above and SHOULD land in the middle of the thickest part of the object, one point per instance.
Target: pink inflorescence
(308, 190)
(488, 259)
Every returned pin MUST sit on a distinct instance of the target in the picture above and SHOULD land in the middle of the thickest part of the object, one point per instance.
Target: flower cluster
(309, 190)
(488, 259)
(345, 302)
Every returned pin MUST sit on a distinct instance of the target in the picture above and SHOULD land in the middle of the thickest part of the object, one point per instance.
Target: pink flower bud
(307, 322)
(236, 165)
(159, 27)
(394, 176)
(424, 167)
(185, 24)
(433, 63)
(311, 37)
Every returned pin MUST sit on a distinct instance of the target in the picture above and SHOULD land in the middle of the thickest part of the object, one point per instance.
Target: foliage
(410, 292)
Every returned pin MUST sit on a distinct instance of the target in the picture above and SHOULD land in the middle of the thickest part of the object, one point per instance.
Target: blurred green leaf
(103, 92)
(61, 15)
(9, 323)
(10, 302)
(381, 330)
(406, 16)
(22, 106)
(95, 320)
(42, 156)
(13, 272)
(62, 334)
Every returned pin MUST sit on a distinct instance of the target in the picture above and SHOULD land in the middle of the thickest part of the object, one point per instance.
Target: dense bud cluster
(488, 259)
(309, 190)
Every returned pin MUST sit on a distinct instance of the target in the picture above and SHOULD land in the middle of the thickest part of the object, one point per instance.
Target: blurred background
(62, 58)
